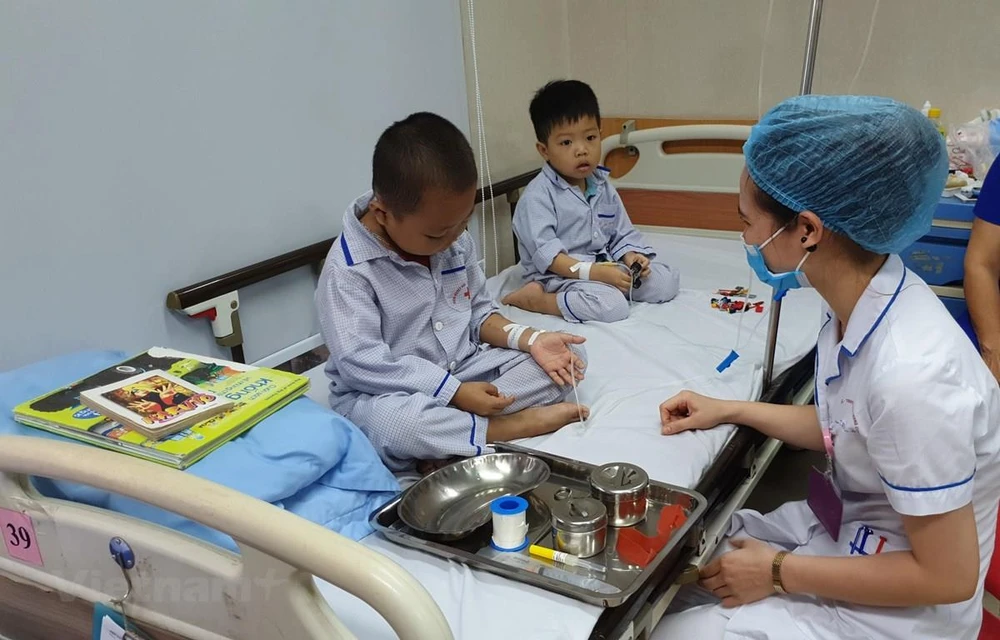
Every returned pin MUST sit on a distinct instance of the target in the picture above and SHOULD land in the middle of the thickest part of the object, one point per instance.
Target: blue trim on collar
(554, 176)
(942, 487)
(363, 244)
(603, 168)
(346, 250)
(453, 270)
(816, 362)
(871, 330)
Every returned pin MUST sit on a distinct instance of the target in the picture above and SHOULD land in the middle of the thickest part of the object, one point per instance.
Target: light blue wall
(148, 145)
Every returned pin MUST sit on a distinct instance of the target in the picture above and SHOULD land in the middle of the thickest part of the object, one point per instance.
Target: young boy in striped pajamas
(576, 241)
(420, 359)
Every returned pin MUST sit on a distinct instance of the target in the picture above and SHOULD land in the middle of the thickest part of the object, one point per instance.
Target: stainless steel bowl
(622, 488)
(579, 526)
(455, 500)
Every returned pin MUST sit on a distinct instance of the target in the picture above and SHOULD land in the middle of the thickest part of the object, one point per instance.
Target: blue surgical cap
(871, 168)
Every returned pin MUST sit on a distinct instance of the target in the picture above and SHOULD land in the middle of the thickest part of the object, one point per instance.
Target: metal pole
(808, 66)
(809, 63)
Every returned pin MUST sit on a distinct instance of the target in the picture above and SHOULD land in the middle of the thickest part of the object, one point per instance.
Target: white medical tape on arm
(514, 332)
(534, 336)
(582, 269)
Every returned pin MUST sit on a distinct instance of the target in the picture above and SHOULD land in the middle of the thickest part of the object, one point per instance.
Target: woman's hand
(552, 353)
(688, 411)
(741, 576)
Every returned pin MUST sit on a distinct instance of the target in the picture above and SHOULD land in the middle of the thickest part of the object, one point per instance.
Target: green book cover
(256, 393)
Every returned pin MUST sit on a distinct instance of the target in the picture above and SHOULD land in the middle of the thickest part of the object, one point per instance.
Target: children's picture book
(254, 392)
(155, 403)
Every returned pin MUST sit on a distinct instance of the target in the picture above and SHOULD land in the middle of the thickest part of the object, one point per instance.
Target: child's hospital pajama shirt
(402, 338)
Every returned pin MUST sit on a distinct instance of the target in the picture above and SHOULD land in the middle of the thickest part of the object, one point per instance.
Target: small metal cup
(580, 526)
(622, 488)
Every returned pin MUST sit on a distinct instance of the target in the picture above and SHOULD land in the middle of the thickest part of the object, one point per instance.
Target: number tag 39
(19, 537)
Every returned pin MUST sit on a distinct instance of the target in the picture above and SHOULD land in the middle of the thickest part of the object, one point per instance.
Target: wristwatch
(776, 572)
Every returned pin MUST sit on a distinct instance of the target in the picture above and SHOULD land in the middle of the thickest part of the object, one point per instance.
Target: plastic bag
(973, 146)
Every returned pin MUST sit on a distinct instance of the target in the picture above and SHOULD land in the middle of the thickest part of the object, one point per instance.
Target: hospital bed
(296, 579)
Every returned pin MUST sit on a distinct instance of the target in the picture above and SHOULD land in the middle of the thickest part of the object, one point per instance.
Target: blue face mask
(780, 282)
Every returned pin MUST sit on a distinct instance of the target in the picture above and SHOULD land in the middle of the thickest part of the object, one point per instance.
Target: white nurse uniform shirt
(914, 415)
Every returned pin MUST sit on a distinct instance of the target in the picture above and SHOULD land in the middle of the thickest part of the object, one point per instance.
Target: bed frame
(182, 587)
(281, 551)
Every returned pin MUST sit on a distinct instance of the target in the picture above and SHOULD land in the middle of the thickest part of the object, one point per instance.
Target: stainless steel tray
(610, 588)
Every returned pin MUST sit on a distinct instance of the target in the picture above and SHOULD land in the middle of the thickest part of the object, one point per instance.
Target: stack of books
(165, 406)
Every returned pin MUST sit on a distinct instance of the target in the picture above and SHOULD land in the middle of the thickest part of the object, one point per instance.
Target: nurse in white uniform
(898, 531)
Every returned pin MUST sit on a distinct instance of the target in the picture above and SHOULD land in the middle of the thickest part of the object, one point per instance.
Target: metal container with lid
(622, 488)
(579, 526)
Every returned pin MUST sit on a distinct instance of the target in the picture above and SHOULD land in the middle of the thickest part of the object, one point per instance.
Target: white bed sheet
(633, 366)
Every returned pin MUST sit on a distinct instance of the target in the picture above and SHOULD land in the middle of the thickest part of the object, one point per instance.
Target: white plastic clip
(627, 128)
(221, 311)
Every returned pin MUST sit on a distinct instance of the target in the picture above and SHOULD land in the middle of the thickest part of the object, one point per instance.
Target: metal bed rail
(216, 299)
(726, 485)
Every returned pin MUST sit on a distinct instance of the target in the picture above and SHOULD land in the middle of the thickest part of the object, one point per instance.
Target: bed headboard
(677, 173)
(659, 166)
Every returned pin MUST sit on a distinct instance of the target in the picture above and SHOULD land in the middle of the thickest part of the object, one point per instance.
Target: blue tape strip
(730, 359)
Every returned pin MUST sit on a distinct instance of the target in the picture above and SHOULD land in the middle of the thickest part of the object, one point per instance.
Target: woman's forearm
(982, 294)
(891, 579)
(797, 425)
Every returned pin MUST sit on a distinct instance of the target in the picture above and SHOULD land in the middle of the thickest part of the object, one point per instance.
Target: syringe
(565, 558)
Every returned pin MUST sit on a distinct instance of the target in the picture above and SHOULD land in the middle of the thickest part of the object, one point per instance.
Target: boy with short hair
(576, 241)
(420, 359)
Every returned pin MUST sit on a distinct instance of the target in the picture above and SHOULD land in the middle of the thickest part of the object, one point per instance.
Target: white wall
(148, 145)
(521, 45)
(701, 59)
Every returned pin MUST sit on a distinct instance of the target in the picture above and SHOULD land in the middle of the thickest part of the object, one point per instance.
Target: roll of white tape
(510, 526)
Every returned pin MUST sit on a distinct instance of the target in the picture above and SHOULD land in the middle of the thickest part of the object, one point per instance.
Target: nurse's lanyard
(828, 445)
(824, 494)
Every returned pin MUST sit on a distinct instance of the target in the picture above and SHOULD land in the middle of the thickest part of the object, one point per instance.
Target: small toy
(726, 305)
(738, 292)
(636, 270)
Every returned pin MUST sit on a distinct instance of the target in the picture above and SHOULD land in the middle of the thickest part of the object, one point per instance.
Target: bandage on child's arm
(498, 331)
(573, 269)
(563, 265)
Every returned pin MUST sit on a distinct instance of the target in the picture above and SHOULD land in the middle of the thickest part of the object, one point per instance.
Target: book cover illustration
(154, 402)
